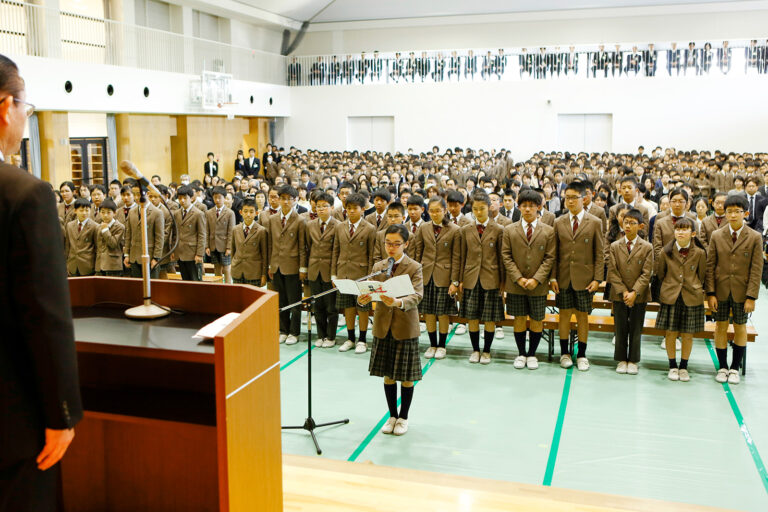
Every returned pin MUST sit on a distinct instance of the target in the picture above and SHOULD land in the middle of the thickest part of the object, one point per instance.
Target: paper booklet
(212, 330)
(395, 287)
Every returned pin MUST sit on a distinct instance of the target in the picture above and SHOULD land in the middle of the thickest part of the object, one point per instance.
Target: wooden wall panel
(146, 141)
(218, 134)
(55, 157)
(179, 146)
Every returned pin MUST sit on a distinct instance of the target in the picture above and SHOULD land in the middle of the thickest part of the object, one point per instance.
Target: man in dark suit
(757, 204)
(270, 156)
(39, 389)
(211, 167)
(252, 164)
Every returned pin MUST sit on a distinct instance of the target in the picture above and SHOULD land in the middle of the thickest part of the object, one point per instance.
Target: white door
(375, 133)
(585, 132)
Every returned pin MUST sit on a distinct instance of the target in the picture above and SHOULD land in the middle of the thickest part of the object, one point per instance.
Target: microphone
(390, 265)
(128, 168)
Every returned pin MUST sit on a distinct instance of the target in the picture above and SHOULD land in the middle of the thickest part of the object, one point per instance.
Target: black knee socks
(738, 355)
(443, 339)
(672, 363)
(534, 339)
(363, 334)
(488, 340)
(406, 393)
(564, 347)
(390, 391)
(520, 341)
(722, 357)
(432, 338)
(474, 338)
(351, 334)
(683, 364)
(582, 350)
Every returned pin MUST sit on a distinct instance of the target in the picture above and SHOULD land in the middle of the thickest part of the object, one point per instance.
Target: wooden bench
(208, 278)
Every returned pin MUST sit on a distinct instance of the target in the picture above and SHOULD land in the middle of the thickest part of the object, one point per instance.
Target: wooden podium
(171, 423)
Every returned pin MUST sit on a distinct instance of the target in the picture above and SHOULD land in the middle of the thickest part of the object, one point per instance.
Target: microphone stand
(147, 310)
(309, 423)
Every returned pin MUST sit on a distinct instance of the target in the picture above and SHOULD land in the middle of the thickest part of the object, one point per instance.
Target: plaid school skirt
(219, 258)
(344, 301)
(481, 304)
(533, 306)
(678, 317)
(436, 301)
(728, 306)
(241, 280)
(580, 300)
(397, 359)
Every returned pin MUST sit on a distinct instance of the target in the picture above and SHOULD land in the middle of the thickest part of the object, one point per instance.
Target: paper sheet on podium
(395, 287)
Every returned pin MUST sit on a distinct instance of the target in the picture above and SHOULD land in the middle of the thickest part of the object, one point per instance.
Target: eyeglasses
(392, 244)
(572, 198)
(29, 108)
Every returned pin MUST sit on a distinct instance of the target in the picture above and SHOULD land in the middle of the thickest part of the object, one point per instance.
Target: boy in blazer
(528, 253)
(378, 218)
(129, 203)
(352, 258)
(455, 202)
(434, 249)
(321, 233)
(288, 261)
(591, 208)
(415, 210)
(220, 222)
(395, 351)
(109, 242)
(734, 271)
(80, 242)
(630, 265)
(580, 268)
(191, 247)
(345, 189)
(165, 265)
(628, 192)
(98, 194)
(716, 219)
(249, 248)
(481, 276)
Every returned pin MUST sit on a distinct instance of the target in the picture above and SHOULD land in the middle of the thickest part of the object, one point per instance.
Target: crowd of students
(540, 63)
(478, 234)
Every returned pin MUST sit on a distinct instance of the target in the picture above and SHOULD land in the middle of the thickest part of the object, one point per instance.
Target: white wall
(728, 113)
(169, 92)
(701, 22)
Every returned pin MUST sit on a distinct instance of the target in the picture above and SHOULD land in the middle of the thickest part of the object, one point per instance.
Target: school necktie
(480, 230)
(344, 214)
(378, 220)
(718, 219)
(219, 211)
(684, 252)
(312, 216)
(125, 211)
(752, 207)
(629, 246)
(394, 268)
(575, 224)
(529, 232)
(272, 211)
(283, 220)
(734, 236)
(246, 230)
(183, 214)
(674, 220)
(455, 221)
(80, 227)
(351, 230)
(322, 228)
(413, 227)
(437, 230)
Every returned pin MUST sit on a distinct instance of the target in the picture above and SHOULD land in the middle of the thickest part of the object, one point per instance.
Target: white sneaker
(282, 338)
(461, 329)
(663, 344)
(621, 367)
(291, 340)
(422, 326)
(632, 368)
(674, 374)
(733, 377)
(532, 363)
(401, 427)
(582, 363)
(678, 345)
(329, 343)
(361, 348)
(613, 340)
(440, 353)
(475, 357)
(520, 362)
(722, 375)
(684, 377)
(499, 333)
(485, 358)
(566, 361)
(430, 353)
(319, 342)
(347, 345)
(389, 426)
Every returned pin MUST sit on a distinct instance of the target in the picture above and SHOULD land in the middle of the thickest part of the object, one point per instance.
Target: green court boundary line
(289, 363)
(742, 424)
(375, 430)
(557, 435)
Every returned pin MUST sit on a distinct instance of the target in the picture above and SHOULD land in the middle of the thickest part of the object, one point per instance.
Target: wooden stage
(323, 485)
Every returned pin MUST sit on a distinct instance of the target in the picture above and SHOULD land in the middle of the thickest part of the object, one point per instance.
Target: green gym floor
(644, 436)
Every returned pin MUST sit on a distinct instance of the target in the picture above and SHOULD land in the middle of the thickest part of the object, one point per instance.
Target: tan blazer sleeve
(614, 276)
(412, 301)
(201, 235)
(507, 259)
(371, 246)
(455, 256)
(460, 255)
(159, 235)
(230, 228)
(755, 269)
(418, 245)
(709, 280)
(335, 252)
(548, 263)
(599, 272)
(643, 282)
(302, 245)
(264, 245)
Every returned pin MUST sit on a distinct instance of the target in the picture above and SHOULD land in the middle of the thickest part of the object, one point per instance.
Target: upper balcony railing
(33, 30)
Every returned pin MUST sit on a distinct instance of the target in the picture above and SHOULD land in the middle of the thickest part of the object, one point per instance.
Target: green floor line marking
(742, 425)
(289, 363)
(558, 429)
(364, 444)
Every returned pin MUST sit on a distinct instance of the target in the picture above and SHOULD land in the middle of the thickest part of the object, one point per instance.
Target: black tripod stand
(309, 423)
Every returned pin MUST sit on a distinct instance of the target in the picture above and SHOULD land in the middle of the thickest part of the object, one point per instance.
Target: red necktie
(413, 227)
(529, 232)
(718, 220)
(246, 230)
(344, 214)
(126, 210)
(283, 220)
(272, 210)
(351, 230)
(219, 211)
(312, 216)
(437, 230)
(80, 228)
(734, 237)
(684, 252)
(629, 246)
(322, 228)
(480, 229)
(674, 220)
(575, 224)
(394, 268)
(378, 220)
(455, 221)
